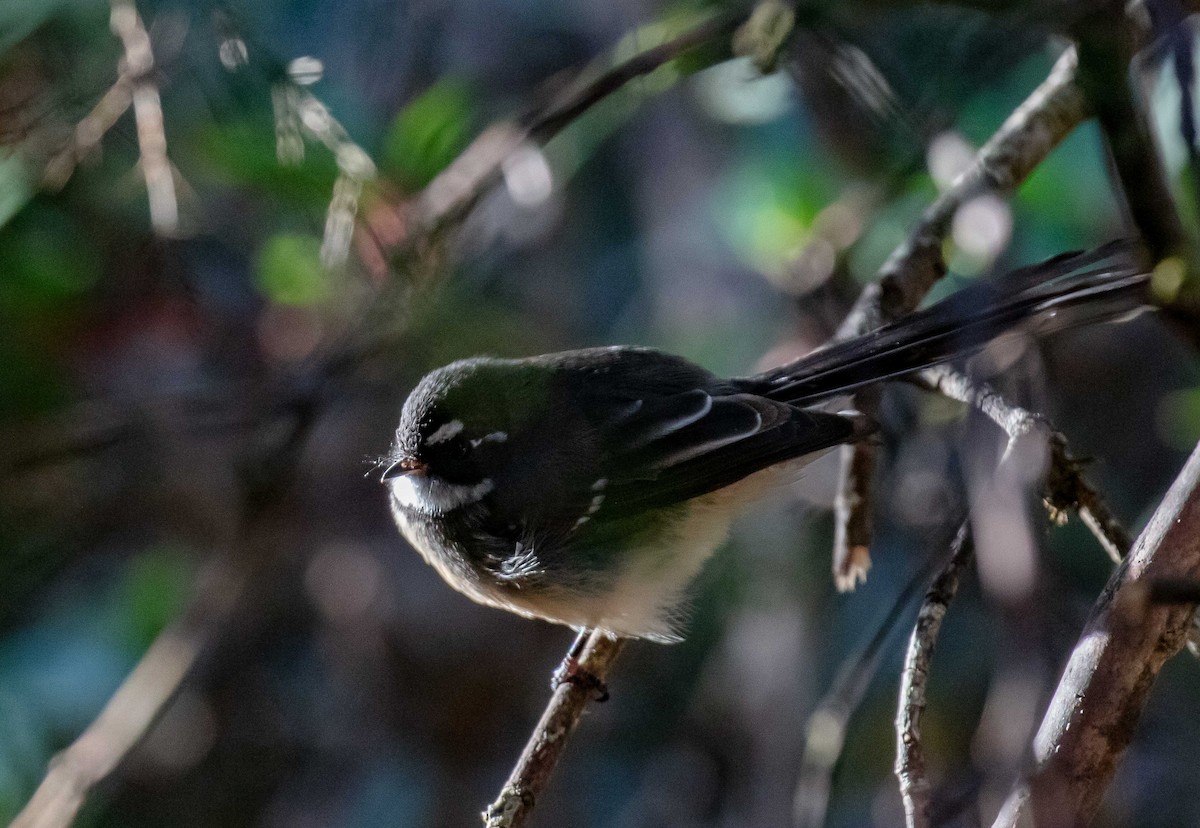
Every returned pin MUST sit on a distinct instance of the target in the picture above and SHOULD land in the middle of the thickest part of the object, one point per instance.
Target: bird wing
(688, 444)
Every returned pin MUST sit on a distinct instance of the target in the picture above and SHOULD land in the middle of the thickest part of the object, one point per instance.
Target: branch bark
(549, 739)
(1022, 142)
(915, 788)
(454, 191)
(1108, 677)
(1065, 488)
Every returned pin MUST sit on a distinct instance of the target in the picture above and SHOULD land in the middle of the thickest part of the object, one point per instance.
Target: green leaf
(16, 187)
(429, 133)
(244, 154)
(45, 259)
(152, 594)
(290, 272)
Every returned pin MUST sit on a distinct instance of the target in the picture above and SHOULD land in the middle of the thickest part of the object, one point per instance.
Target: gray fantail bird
(588, 487)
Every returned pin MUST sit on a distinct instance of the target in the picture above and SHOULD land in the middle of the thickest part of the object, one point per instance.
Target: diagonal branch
(457, 189)
(142, 697)
(549, 739)
(1065, 488)
(1022, 142)
(1111, 671)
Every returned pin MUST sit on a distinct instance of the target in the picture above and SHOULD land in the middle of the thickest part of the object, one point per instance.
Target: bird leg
(571, 672)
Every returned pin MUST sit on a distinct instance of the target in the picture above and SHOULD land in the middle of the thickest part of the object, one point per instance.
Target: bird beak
(401, 467)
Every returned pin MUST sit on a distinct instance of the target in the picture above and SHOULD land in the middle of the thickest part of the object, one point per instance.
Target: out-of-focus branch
(1065, 488)
(142, 697)
(1022, 142)
(1106, 47)
(825, 733)
(545, 747)
(88, 132)
(1108, 678)
(147, 111)
(457, 188)
(910, 756)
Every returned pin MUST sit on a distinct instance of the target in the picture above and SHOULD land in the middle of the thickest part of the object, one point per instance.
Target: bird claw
(572, 672)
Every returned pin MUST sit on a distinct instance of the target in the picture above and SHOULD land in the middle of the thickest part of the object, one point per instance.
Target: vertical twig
(825, 733)
(853, 515)
(147, 112)
(910, 756)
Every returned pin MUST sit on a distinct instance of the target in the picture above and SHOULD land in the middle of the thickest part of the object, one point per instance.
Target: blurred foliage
(354, 688)
(428, 133)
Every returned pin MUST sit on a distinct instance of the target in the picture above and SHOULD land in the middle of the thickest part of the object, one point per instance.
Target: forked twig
(1066, 488)
(1022, 142)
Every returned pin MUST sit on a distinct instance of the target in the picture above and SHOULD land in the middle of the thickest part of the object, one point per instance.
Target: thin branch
(136, 705)
(132, 710)
(1112, 669)
(853, 515)
(825, 733)
(456, 189)
(147, 111)
(549, 739)
(910, 756)
(88, 133)
(1065, 488)
(1022, 142)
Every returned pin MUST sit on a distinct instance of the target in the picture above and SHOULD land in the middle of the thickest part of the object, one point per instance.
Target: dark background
(147, 384)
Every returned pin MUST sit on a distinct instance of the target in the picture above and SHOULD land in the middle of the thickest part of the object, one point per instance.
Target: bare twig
(910, 756)
(853, 515)
(457, 188)
(88, 132)
(1108, 678)
(825, 733)
(145, 693)
(1022, 142)
(147, 111)
(545, 747)
(131, 712)
(1065, 488)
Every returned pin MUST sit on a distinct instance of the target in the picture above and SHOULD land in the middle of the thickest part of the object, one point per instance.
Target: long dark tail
(1067, 290)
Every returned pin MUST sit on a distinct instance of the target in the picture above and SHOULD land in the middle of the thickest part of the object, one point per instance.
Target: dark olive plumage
(587, 487)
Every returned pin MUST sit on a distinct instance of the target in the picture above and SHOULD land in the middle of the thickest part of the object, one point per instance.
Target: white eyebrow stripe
(444, 433)
(431, 496)
(494, 437)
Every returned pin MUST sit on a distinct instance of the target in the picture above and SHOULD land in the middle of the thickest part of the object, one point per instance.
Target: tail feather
(1067, 290)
